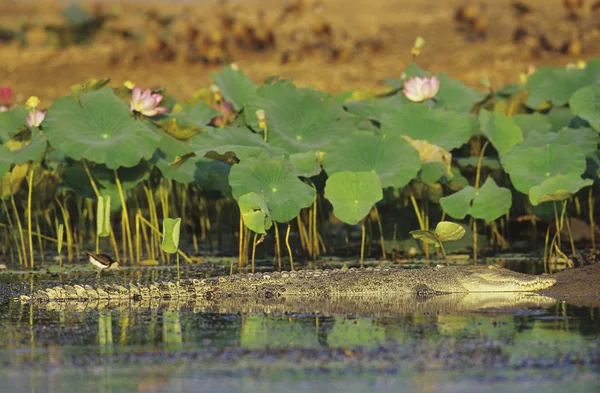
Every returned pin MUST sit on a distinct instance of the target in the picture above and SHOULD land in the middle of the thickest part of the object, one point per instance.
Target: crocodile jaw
(496, 279)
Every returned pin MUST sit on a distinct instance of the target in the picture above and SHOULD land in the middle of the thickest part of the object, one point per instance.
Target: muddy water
(554, 348)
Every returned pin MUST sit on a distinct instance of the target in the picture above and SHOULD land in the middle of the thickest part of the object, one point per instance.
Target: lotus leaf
(557, 84)
(273, 178)
(391, 157)
(235, 86)
(32, 150)
(189, 121)
(559, 117)
(502, 131)
(298, 120)
(374, 108)
(453, 95)
(11, 182)
(241, 141)
(255, 212)
(171, 229)
(533, 122)
(353, 194)
(585, 103)
(11, 121)
(430, 153)
(305, 164)
(586, 138)
(100, 128)
(557, 188)
(6, 160)
(445, 231)
(530, 165)
(103, 226)
(432, 172)
(212, 175)
(458, 205)
(447, 129)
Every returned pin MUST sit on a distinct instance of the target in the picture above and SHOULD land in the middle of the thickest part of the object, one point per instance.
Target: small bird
(102, 261)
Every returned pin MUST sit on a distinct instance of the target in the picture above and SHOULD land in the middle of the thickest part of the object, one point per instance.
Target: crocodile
(310, 284)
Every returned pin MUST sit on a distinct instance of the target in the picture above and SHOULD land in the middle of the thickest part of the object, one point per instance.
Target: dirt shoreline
(578, 287)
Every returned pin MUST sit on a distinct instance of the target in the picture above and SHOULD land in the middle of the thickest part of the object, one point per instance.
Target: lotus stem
(30, 238)
(12, 232)
(18, 220)
(277, 246)
(68, 232)
(546, 256)
(39, 239)
(315, 235)
(89, 174)
(287, 243)
(444, 253)
(254, 250)
(592, 222)
(474, 242)
(240, 244)
(381, 238)
(573, 252)
(125, 217)
(362, 242)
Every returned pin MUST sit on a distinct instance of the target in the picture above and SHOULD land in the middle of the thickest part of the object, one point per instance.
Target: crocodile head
(496, 279)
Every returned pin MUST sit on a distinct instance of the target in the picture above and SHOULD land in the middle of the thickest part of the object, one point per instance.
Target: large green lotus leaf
(11, 121)
(6, 160)
(447, 129)
(129, 177)
(198, 114)
(305, 164)
(586, 138)
(99, 128)
(212, 175)
(585, 103)
(353, 194)
(241, 141)
(298, 120)
(557, 84)
(391, 157)
(255, 212)
(557, 188)
(180, 172)
(559, 117)
(431, 172)
(491, 201)
(33, 150)
(453, 95)
(502, 131)
(458, 205)
(533, 122)
(373, 109)
(529, 166)
(235, 86)
(285, 194)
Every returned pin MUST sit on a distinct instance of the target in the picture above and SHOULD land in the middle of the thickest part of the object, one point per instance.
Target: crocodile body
(310, 284)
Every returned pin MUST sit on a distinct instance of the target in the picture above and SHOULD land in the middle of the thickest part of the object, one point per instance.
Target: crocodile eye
(423, 290)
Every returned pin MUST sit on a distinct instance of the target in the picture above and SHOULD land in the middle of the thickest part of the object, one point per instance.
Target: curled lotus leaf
(557, 188)
(429, 152)
(100, 128)
(255, 212)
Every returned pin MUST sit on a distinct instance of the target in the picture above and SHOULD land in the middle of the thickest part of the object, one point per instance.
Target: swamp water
(551, 346)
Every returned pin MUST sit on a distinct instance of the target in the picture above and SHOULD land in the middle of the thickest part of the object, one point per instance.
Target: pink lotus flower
(419, 89)
(35, 118)
(3, 108)
(6, 94)
(146, 103)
